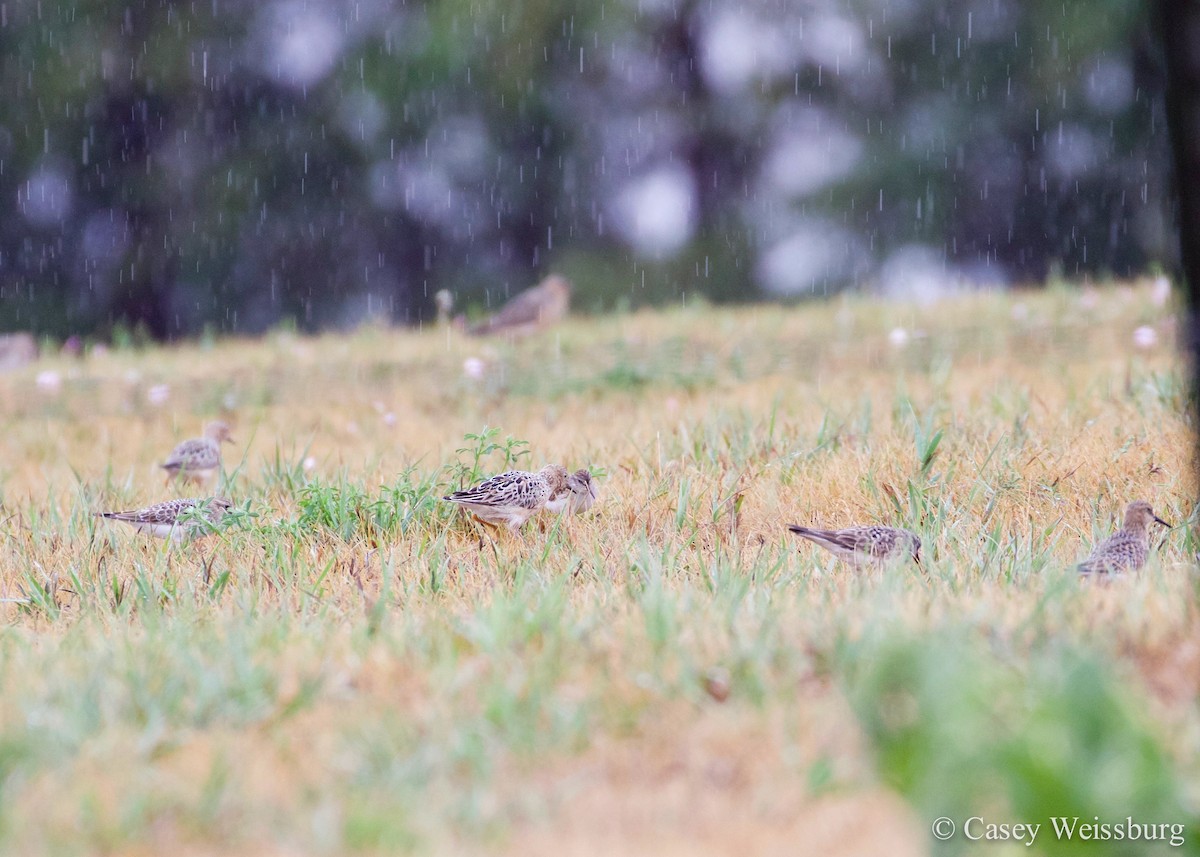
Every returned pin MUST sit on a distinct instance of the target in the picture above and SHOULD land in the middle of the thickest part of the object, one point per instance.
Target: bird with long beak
(1128, 548)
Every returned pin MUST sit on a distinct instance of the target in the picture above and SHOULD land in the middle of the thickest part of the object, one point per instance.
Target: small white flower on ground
(474, 368)
(1145, 337)
(389, 419)
(309, 463)
(158, 394)
(898, 337)
(1160, 292)
(49, 381)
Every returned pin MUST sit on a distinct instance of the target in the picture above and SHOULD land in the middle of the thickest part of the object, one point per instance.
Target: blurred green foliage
(962, 730)
(232, 164)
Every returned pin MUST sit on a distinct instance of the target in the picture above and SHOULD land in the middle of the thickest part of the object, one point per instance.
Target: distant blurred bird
(530, 311)
(860, 546)
(197, 460)
(17, 350)
(178, 520)
(73, 346)
(444, 301)
(513, 497)
(1128, 548)
(578, 496)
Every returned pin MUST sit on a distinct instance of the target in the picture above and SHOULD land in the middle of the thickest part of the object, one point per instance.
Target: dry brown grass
(396, 686)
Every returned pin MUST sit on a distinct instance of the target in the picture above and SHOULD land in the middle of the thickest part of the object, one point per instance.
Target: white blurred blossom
(1145, 337)
(49, 381)
(158, 394)
(474, 368)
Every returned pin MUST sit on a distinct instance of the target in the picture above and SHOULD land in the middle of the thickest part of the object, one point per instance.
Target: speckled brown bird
(178, 520)
(513, 497)
(530, 311)
(199, 459)
(861, 546)
(1128, 548)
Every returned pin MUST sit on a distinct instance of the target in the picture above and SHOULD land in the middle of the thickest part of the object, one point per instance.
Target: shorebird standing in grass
(513, 497)
(862, 546)
(178, 520)
(1128, 548)
(530, 311)
(578, 496)
(199, 459)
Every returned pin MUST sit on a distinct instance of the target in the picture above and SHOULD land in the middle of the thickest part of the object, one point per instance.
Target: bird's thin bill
(1164, 523)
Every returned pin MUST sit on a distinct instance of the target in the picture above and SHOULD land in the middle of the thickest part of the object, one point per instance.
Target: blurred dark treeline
(232, 164)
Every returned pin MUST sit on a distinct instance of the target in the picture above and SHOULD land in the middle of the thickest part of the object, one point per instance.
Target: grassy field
(348, 668)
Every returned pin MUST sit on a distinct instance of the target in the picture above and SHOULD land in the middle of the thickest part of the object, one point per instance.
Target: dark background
(168, 167)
